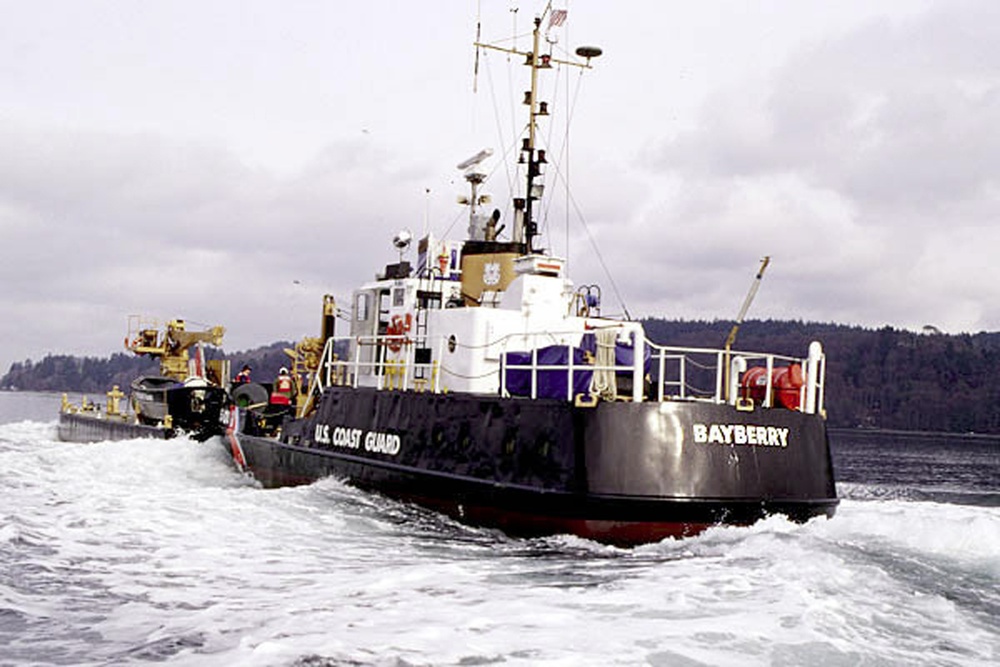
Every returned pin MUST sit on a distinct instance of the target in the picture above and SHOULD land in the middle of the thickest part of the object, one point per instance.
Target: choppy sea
(159, 552)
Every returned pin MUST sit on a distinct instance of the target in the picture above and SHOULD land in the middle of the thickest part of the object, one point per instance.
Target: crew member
(243, 377)
(283, 389)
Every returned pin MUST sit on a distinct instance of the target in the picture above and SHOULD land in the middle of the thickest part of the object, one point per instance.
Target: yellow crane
(170, 344)
(731, 338)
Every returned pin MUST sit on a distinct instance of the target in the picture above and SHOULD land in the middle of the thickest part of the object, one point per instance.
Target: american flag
(557, 17)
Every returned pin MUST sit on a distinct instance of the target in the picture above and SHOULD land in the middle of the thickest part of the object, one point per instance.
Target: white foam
(964, 534)
(160, 549)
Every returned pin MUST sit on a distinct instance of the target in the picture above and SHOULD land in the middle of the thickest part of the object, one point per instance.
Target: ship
(482, 384)
(187, 397)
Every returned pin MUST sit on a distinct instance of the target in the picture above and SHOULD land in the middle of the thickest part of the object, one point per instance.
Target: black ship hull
(617, 472)
(192, 408)
(88, 427)
(161, 408)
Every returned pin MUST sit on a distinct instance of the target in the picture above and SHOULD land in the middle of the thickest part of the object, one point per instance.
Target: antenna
(475, 159)
(588, 52)
(525, 225)
(475, 178)
(427, 210)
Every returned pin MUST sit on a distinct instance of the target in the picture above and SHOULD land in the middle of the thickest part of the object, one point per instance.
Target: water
(142, 552)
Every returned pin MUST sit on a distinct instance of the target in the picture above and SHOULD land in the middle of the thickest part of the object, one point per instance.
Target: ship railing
(389, 359)
(690, 373)
(682, 373)
(609, 378)
(654, 372)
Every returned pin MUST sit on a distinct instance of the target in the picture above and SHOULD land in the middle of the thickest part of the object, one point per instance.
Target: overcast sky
(230, 161)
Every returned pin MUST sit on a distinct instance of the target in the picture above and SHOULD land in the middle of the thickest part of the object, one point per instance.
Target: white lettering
(382, 443)
(739, 434)
(353, 438)
(341, 437)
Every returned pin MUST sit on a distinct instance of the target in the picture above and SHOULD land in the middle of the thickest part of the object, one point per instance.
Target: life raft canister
(281, 394)
(786, 383)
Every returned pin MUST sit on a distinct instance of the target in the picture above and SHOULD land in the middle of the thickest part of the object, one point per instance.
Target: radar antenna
(475, 178)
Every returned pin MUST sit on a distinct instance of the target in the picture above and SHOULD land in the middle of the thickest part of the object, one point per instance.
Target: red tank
(786, 385)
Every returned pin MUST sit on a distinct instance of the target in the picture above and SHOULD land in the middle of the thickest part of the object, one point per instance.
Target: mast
(530, 229)
(525, 226)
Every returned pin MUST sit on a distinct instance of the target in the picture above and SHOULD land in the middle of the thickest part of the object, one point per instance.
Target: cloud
(236, 175)
(102, 226)
(866, 164)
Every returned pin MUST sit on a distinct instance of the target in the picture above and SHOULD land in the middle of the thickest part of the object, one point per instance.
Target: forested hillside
(97, 375)
(880, 378)
(884, 378)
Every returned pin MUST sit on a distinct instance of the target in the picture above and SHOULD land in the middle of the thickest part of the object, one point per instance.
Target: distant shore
(891, 436)
(857, 435)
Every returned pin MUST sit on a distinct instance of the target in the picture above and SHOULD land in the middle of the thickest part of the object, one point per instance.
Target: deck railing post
(738, 366)
(768, 392)
(661, 364)
(813, 376)
(534, 372)
(503, 373)
(682, 375)
(638, 364)
(720, 371)
(407, 365)
(569, 380)
(356, 361)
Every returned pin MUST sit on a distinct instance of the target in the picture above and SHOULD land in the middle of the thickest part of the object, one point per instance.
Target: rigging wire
(563, 176)
(594, 245)
(566, 145)
(511, 97)
(479, 31)
(511, 177)
(549, 142)
(451, 224)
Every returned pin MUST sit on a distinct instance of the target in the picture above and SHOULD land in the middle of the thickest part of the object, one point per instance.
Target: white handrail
(671, 364)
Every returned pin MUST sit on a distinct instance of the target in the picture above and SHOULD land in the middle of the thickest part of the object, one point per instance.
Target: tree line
(876, 378)
(96, 375)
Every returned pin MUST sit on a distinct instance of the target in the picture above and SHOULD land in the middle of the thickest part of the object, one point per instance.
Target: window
(361, 308)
